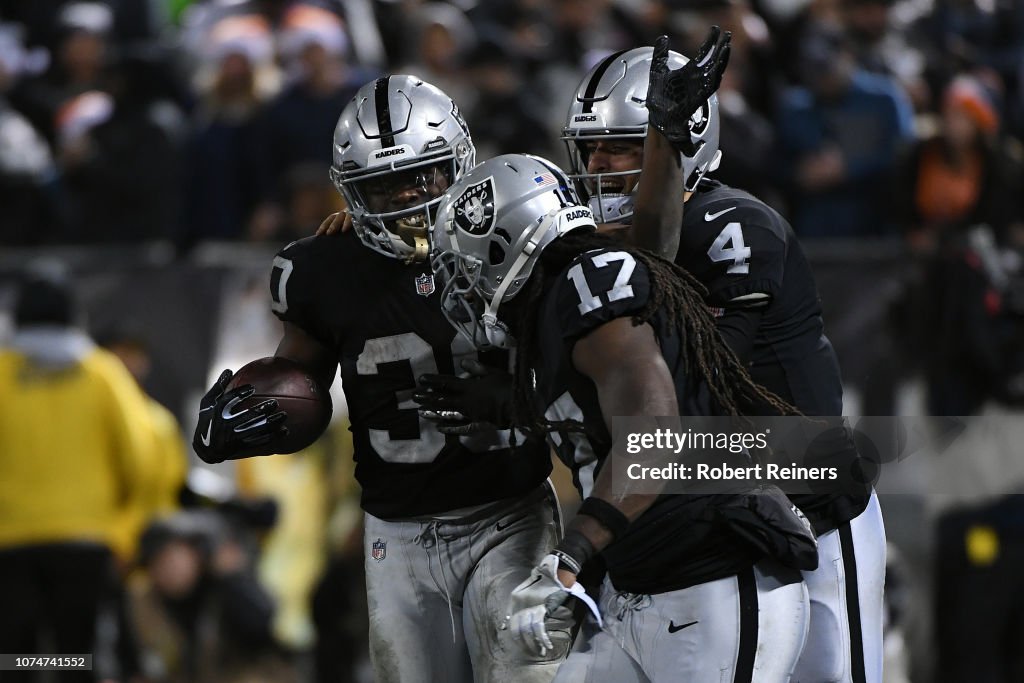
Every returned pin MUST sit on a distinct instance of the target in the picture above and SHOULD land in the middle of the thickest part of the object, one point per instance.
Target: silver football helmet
(490, 230)
(611, 103)
(398, 145)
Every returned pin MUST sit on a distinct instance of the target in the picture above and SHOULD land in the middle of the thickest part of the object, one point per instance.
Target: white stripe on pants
(830, 653)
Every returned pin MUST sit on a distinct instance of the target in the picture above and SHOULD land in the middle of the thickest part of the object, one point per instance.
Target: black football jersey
(383, 321)
(746, 254)
(674, 544)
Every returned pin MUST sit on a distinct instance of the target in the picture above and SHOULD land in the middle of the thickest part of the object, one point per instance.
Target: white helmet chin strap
(565, 221)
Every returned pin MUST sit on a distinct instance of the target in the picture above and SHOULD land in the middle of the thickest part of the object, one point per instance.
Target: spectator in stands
(971, 34)
(839, 136)
(293, 552)
(132, 20)
(170, 466)
(313, 47)
(83, 30)
(235, 78)
(161, 486)
(200, 614)
(121, 179)
(440, 40)
(502, 119)
(73, 447)
(26, 163)
(880, 46)
(963, 175)
(960, 202)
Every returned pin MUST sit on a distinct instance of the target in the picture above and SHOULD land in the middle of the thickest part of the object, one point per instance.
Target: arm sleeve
(738, 327)
(746, 264)
(295, 289)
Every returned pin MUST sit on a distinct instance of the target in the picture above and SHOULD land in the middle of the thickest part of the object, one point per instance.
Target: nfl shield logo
(425, 284)
(379, 550)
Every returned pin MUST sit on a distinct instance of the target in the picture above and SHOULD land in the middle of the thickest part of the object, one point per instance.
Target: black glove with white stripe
(227, 432)
(674, 96)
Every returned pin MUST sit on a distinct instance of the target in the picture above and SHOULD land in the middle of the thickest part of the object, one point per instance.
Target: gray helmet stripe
(588, 94)
(381, 101)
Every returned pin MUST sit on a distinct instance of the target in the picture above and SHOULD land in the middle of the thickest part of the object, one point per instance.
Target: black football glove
(467, 405)
(674, 96)
(223, 433)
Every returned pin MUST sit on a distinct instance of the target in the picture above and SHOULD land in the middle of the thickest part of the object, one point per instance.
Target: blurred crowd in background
(886, 127)
(132, 120)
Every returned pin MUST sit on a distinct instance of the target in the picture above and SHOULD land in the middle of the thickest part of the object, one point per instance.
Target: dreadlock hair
(680, 298)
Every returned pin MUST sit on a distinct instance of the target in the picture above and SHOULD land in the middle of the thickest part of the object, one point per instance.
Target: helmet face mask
(609, 192)
(461, 301)
(610, 104)
(398, 145)
(490, 230)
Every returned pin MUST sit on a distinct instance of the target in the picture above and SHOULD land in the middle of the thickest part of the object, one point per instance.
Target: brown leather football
(307, 404)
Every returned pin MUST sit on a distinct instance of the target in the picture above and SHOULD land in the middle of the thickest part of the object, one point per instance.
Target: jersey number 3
(729, 246)
(427, 445)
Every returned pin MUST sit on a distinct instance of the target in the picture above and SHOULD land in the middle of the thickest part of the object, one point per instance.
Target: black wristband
(573, 551)
(610, 517)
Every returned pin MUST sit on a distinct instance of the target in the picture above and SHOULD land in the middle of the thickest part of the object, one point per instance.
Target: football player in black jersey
(452, 523)
(762, 292)
(605, 330)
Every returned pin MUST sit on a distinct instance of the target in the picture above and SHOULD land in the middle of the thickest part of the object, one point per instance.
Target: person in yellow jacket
(164, 479)
(75, 437)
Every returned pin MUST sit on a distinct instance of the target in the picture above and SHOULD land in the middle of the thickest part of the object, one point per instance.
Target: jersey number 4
(620, 289)
(729, 246)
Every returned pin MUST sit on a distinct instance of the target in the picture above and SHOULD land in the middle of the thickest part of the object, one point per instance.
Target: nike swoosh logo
(206, 438)
(672, 628)
(712, 216)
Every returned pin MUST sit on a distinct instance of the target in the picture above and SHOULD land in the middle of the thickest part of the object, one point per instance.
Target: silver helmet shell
(490, 230)
(394, 125)
(611, 103)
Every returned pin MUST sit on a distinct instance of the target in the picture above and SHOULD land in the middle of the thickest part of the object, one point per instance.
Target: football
(307, 404)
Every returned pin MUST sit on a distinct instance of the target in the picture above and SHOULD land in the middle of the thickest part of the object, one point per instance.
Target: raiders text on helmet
(611, 102)
(398, 129)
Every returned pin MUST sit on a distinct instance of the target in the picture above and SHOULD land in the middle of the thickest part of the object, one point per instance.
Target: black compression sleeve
(738, 328)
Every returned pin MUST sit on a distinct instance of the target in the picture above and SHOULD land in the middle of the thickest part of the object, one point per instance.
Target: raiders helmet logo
(474, 209)
(700, 120)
